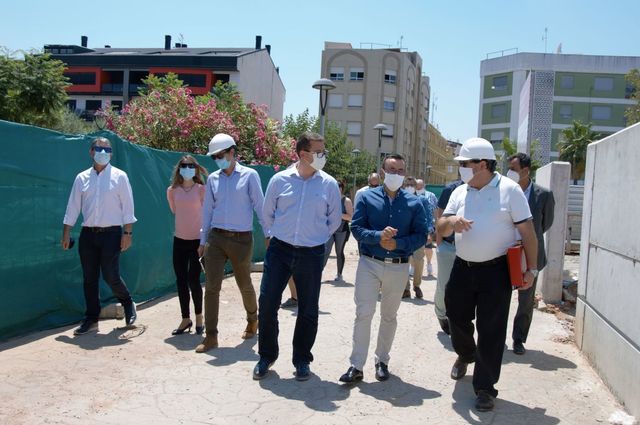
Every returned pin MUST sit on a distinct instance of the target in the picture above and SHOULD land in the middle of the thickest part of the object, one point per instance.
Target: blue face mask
(223, 163)
(102, 158)
(187, 173)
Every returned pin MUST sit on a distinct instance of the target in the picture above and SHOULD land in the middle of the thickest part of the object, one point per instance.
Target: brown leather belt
(230, 233)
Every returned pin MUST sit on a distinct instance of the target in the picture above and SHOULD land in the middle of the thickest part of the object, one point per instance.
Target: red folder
(517, 265)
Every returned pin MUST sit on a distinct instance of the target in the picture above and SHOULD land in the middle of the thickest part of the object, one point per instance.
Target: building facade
(379, 86)
(114, 75)
(532, 97)
(442, 169)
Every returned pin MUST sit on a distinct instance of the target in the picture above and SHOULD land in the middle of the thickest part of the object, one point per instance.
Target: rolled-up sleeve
(74, 205)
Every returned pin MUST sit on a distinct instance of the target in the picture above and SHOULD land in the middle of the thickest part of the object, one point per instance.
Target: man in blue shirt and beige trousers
(390, 224)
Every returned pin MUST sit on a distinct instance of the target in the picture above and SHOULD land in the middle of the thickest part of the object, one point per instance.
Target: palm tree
(573, 147)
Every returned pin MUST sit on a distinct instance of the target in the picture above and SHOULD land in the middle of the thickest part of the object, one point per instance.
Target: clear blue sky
(452, 37)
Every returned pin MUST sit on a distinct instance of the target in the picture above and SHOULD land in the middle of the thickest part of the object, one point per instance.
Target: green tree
(573, 147)
(342, 164)
(32, 90)
(633, 112)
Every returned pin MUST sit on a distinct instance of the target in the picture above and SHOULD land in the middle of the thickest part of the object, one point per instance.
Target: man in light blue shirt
(231, 195)
(301, 211)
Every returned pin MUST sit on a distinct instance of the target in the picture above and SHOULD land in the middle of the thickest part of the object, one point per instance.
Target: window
(356, 74)
(336, 73)
(335, 101)
(93, 105)
(354, 128)
(389, 131)
(81, 78)
(499, 110)
(355, 101)
(496, 136)
(601, 112)
(71, 104)
(499, 83)
(389, 104)
(116, 105)
(389, 76)
(566, 82)
(194, 80)
(603, 84)
(566, 112)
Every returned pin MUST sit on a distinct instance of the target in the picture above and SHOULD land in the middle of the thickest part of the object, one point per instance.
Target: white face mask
(513, 175)
(466, 174)
(421, 191)
(187, 173)
(318, 163)
(102, 158)
(410, 189)
(393, 181)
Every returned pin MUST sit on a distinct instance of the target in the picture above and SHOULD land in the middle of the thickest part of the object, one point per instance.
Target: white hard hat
(219, 143)
(476, 148)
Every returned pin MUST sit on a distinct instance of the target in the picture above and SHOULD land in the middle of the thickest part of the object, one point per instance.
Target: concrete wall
(259, 82)
(554, 176)
(607, 324)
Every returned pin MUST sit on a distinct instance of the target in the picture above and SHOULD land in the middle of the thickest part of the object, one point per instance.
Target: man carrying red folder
(484, 214)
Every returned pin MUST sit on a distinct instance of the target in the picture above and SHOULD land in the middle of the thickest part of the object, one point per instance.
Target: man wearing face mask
(231, 195)
(417, 258)
(373, 181)
(390, 225)
(541, 203)
(302, 209)
(484, 214)
(103, 195)
(433, 203)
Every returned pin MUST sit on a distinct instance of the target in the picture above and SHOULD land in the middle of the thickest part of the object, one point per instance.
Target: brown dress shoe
(208, 343)
(251, 330)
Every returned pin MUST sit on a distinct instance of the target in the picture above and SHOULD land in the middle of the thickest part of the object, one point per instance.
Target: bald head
(374, 180)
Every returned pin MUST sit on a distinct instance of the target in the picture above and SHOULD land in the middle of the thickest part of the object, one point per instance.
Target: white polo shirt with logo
(495, 210)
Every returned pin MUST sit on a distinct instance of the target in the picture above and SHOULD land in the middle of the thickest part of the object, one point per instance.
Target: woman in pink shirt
(185, 196)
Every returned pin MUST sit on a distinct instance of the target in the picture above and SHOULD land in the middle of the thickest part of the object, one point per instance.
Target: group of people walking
(303, 213)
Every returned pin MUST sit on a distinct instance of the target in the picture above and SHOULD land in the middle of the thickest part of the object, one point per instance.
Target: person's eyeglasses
(187, 165)
(320, 154)
(463, 164)
(102, 149)
(220, 155)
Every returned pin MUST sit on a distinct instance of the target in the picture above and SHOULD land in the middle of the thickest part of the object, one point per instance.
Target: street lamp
(323, 85)
(355, 154)
(380, 127)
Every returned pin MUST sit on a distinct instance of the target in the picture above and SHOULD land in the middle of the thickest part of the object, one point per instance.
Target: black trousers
(100, 251)
(187, 269)
(524, 314)
(482, 293)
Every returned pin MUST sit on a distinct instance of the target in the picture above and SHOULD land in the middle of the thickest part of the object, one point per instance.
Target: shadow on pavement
(504, 412)
(339, 283)
(445, 340)
(539, 360)
(397, 392)
(184, 342)
(316, 393)
(243, 352)
(417, 301)
(431, 278)
(95, 341)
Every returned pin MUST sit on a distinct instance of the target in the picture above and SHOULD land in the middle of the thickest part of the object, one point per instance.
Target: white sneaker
(338, 278)
(429, 270)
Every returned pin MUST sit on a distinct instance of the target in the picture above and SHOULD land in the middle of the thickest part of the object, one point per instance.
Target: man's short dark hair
(97, 140)
(305, 139)
(523, 159)
(491, 164)
(392, 156)
(409, 179)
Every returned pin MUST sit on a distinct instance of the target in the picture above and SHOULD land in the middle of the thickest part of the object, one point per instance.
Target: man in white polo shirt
(484, 214)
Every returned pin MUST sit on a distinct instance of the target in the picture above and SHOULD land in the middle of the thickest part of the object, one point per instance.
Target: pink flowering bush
(166, 116)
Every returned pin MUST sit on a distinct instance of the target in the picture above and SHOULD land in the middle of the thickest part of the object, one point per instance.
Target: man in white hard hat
(484, 214)
(232, 193)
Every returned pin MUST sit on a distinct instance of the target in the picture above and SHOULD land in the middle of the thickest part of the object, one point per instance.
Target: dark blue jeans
(305, 265)
(100, 251)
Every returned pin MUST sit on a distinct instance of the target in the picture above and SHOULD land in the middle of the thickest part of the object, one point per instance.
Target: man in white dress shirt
(103, 195)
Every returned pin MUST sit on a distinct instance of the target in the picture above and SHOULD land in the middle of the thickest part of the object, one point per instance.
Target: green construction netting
(41, 284)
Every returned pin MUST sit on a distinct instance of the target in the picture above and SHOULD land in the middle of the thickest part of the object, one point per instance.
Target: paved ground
(155, 378)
